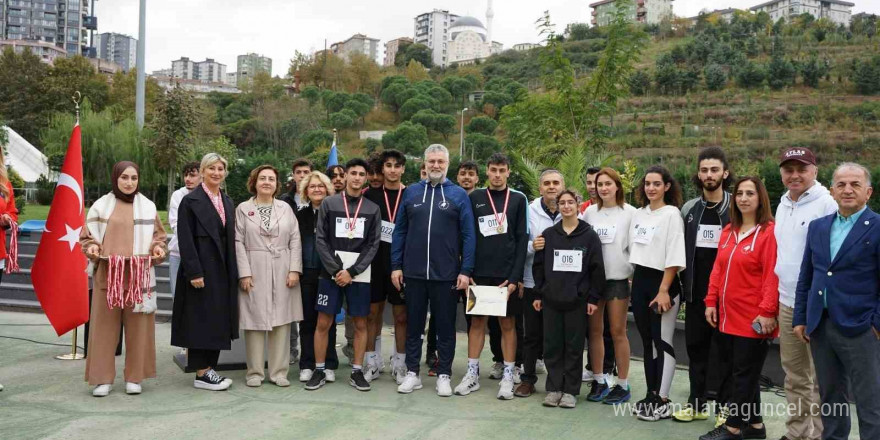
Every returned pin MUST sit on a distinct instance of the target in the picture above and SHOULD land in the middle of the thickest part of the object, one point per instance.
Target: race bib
(708, 236)
(387, 231)
(606, 233)
(643, 234)
(343, 228)
(489, 225)
(567, 261)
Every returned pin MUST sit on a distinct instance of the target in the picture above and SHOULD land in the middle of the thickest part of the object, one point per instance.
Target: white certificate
(708, 236)
(348, 260)
(343, 228)
(606, 233)
(387, 231)
(489, 225)
(643, 234)
(568, 261)
(487, 301)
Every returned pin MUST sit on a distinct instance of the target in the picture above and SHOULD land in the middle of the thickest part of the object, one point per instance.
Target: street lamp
(461, 144)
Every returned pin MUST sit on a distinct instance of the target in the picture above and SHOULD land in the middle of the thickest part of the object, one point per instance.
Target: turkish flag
(59, 270)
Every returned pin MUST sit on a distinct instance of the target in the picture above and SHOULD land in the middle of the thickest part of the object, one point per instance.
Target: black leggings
(655, 330)
(744, 358)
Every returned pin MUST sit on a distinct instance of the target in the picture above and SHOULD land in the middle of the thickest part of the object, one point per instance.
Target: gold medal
(350, 234)
(500, 229)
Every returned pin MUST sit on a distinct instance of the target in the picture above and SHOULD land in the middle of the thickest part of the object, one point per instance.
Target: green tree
(340, 120)
(408, 137)
(458, 87)
(780, 71)
(415, 72)
(414, 52)
(481, 146)
(866, 76)
(445, 125)
(425, 118)
(482, 125)
(313, 140)
(69, 75)
(173, 127)
(311, 94)
(23, 101)
(750, 75)
(391, 93)
(813, 70)
(414, 105)
(639, 83)
(357, 107)
(336, 102)
(716, 77)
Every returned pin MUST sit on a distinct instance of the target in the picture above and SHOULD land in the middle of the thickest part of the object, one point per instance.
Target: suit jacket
(851, 282)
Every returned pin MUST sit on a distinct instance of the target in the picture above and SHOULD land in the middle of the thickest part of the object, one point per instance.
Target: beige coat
(268, 256)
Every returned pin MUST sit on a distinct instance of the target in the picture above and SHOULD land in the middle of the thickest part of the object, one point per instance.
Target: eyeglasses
(311, 187)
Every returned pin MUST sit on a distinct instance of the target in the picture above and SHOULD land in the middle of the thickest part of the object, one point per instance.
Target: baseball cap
(800, 154)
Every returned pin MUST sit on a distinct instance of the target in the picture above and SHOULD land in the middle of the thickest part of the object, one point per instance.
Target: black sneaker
(721, 433)
(317, 381)
(598, 391)
(754, 433)
(358, 381)
(211, 381)
(617, 395)
(642, 403)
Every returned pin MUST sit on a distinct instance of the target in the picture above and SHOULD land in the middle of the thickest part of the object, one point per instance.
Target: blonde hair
(4, 177)
(211, 159)
(303, 188)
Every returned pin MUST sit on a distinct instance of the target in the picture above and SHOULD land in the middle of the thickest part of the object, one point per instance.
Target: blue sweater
(434, 233)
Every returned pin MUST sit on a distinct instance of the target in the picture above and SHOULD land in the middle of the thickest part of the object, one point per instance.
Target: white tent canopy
(26, 159)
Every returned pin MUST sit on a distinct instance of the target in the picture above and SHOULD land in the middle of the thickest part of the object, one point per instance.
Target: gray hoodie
(792, 220)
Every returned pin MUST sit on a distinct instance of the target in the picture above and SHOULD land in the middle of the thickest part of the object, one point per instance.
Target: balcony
(90, 23)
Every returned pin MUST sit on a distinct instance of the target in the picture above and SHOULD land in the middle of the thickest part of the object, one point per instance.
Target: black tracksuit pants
(564, 336)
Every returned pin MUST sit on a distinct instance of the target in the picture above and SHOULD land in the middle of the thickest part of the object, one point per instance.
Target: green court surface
(46, 398)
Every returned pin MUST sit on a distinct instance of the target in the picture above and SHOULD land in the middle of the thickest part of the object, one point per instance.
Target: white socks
(624, 383)
(474, 366)
(508, 369)
(600, 378)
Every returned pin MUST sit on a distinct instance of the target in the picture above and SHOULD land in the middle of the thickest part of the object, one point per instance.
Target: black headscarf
(117, 172)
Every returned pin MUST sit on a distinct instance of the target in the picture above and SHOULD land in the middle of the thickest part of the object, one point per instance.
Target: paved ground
(47, 399)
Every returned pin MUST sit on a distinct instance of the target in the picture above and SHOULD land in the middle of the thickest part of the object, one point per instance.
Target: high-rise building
(432, 30)
(391, 48)
(183, 68)
(250, 64)
(64, 23)
(48, 52)
(645, 11)
(839, 12)
(358, 43)
(210, 71)
(117, 48)
(73, 22)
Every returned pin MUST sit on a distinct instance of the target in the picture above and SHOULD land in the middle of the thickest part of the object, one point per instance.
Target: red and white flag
(59, 270)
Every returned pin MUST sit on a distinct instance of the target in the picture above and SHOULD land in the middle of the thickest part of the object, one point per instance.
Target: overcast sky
(224, 29)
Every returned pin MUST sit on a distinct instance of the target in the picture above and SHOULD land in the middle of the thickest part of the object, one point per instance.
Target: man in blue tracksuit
(432, 253)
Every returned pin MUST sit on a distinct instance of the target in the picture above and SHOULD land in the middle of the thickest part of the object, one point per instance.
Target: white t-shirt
(613, 225)
(657, 238)
(173, 206)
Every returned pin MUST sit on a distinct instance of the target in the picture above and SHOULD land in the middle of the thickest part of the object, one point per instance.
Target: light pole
(140, 97)
(461, 144)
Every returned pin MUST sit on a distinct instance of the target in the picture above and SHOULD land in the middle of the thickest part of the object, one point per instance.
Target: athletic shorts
(330, 297)
(616, 289)
(382, 289)
(514, 302)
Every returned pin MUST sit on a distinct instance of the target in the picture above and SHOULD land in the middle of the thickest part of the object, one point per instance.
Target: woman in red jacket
(8, 214)
(742, 303)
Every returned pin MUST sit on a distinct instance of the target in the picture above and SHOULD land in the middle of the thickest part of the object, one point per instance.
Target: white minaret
(490, 14)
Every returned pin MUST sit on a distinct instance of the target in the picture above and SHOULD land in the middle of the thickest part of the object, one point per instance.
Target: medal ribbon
(393, 214)
(351, 221)
(500, 219)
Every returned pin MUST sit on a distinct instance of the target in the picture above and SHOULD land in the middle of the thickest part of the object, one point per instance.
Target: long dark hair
(672, 196)
(764, 213)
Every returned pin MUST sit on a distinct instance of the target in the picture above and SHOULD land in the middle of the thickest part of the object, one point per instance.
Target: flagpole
(73, 355)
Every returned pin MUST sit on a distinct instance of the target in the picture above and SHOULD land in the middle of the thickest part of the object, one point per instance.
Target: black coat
(205, 318)
(566, 290)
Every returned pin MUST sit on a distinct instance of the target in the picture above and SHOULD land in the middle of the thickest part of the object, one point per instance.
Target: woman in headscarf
(269, 252)
(123, 239)
(205, 316)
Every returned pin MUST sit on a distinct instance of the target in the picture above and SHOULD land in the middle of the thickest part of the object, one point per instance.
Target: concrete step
(34, 306)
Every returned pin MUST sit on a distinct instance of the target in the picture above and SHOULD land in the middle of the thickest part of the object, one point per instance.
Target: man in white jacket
(805, 201)
(191, 179)
(542, 215)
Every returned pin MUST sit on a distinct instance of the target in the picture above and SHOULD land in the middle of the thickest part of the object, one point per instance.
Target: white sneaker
(400, 373)
(102, 390)
(371, 373)
(587, 376)
(444, 385)
(517, 375)
(305, 375)
(411, 383)
(505, 389)
(1, 387)
(132, 388)
(330, 375)
(469, 384)
(497, 371)
(540, 368)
